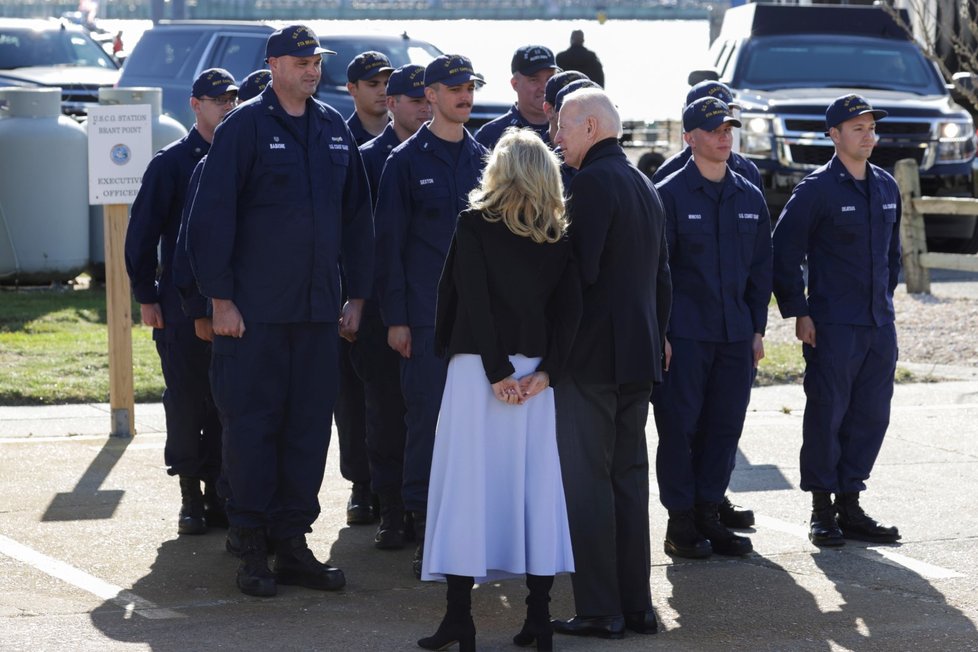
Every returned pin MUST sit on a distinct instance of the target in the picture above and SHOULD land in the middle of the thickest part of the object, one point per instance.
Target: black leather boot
(191, 519)
(254, 576)
(419, 527)
(457, 625)
(215, 510)
(296, 565)
(858, 525)
(733, 516)
(682, 537)
(390, 533)
(824, 529)
(722, 540)
(360, 507)
(537, 627)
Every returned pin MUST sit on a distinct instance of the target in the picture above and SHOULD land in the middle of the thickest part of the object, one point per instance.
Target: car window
(21, 48)
(399, 52)
(240, 54)
(162, 54)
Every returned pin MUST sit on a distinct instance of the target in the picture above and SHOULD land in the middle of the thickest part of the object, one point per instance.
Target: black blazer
(618, 234)
(502, 294)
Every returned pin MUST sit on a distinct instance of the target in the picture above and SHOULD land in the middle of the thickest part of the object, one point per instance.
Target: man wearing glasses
(193, 432)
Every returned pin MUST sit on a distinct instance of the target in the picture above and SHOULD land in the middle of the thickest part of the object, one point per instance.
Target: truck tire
(649, 162)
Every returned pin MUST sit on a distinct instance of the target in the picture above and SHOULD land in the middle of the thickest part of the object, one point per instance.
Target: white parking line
(879, 554)
(130, 602)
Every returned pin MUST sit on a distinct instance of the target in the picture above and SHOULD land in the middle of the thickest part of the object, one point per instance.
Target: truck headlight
(955, 141)
(755, 138)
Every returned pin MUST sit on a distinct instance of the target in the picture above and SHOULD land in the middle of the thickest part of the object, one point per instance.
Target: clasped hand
(517, 392)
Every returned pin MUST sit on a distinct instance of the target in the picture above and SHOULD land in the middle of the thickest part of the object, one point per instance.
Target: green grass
(54, 349)
(783, 364)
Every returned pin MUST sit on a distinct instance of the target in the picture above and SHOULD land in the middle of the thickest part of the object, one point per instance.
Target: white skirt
(496, 504)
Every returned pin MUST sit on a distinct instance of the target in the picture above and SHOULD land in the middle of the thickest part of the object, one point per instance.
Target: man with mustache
(424, 186)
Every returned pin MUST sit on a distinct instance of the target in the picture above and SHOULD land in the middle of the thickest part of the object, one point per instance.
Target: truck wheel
(650, 162)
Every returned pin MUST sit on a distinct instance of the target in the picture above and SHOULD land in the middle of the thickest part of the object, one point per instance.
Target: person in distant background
(532, 67)
(578, 57)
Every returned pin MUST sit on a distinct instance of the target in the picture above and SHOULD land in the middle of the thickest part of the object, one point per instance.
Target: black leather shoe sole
(191, 525)
(642, 622)
(829, 541)
(688, 552)
(332, 580)
(611, 628)
(870, 537)
(258, 587)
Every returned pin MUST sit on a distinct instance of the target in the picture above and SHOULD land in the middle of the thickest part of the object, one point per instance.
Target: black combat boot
(191, 520)
(419, 527)
(537, 627)
(457, 625)
(722, 540)
(733, 516)
(824, 529)
(360, 507)
(215, 510)
(390, 533)
(254, 576)
(295, 564)
(858, 525)
(682, 537)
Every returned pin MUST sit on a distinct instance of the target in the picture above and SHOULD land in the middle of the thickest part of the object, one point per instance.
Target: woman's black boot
(537, 626)
(457, 625)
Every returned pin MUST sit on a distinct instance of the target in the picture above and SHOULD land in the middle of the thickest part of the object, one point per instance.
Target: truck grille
(883, 155)
(893, 128)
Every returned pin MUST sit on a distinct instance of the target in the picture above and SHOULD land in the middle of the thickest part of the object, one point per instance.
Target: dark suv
(172, 54)
(47, 53)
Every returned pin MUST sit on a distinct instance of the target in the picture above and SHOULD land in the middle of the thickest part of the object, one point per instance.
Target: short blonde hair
(521, 186)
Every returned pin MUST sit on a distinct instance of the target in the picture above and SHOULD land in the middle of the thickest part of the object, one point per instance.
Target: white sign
(120, 146)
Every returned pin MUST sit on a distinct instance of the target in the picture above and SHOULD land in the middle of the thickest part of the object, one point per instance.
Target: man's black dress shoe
(600, 626)
(642, 622)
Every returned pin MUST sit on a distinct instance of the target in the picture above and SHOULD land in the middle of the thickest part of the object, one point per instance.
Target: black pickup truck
(786, 63)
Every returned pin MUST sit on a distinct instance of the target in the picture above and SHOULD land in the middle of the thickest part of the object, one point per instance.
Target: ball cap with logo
(707, 113)
(530, 59)
(451, 70)
(407, 80)
(558, 82)
(294, 41)
(366, 65)
(848, 107)
(711, 89)
(254, 84)
(213, 82)
(575, 85)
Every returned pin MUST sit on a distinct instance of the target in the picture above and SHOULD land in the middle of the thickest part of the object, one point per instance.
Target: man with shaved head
(618, 235)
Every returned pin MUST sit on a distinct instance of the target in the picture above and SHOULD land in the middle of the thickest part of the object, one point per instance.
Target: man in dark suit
(618, 234)
(577, 57)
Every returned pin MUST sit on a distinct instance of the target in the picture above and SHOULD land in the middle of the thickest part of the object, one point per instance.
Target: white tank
(43, 189)
(165, 131)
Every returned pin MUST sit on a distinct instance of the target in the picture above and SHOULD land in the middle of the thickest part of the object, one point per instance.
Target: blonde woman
(508, 306)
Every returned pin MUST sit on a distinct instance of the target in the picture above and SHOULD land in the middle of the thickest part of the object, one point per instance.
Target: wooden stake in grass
(119, 320)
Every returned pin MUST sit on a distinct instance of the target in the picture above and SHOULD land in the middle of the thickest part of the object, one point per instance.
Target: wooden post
(912, 236)
(119, 319)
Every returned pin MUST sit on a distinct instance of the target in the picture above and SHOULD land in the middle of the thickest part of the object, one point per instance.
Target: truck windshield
(20, 48)
(824, 61)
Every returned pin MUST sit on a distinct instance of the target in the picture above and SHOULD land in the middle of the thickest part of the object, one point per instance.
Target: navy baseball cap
(213, 82)
(254, 84)
(710, 88)
(294, 41)
(366, 65)
(557, 82)
(407, 80)
(451, 70)
(848, 107)
(570, 88)
(533, 58)
(707, 113)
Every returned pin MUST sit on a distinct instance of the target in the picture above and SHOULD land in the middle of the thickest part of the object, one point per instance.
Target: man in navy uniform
(378, 365)
(719, 235)
(845, 219)
(193, 431)
(281, 196)
(424, 186)
(742, 166)
(532, 66)
(618, 236)
(366, 77)
(554, 85)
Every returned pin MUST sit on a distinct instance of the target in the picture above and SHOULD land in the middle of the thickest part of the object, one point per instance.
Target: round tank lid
(31, 102)
(134, 95)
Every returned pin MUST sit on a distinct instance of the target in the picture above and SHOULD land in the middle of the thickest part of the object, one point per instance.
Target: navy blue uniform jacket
(155, 220)
(272, 215)
(719, 256)
(617, 228)
(194, 303)
(374, 153)
(852, 243)
(742, 166)
(502, 294)
(490, 133)
(422, 191)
